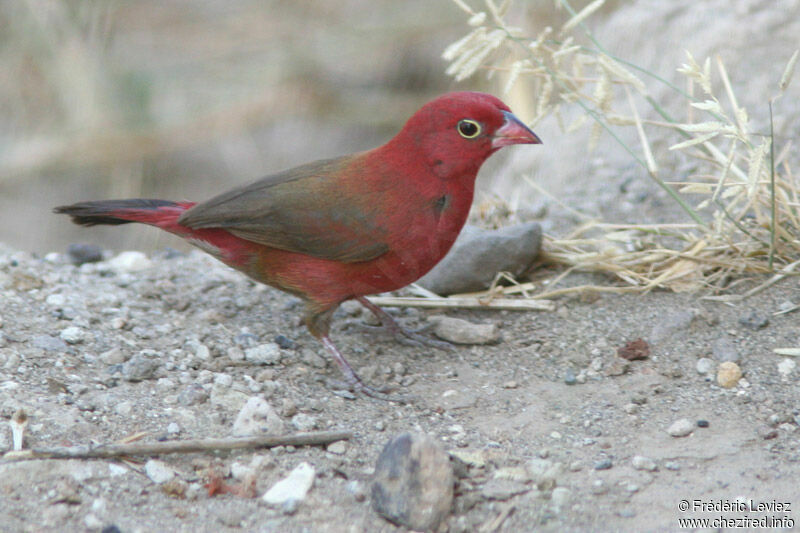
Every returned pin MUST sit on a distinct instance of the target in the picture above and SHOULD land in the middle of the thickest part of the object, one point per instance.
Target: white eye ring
(468, 128)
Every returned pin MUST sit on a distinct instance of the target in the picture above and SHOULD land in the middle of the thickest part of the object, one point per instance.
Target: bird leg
(402, 335)
(352, 379)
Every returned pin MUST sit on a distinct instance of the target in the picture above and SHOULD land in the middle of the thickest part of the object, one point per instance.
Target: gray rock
(641, 462)
(754, 320)
(503, 489)
(681, 428)
(158, 471)
(304, 422)
(462, 332)
(49, 343)
(139, 367)
(73, 335)
(130, 261)
(79, 254)
(193, 394)
(705, 365)
(478, 255)
(263, 354)
(604, 464)
(293, 487)
(724, 350)
(413, 483)
(560, 496)
(257, 417)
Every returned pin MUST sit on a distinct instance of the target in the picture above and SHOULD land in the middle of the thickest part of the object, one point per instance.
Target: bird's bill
(513, 131)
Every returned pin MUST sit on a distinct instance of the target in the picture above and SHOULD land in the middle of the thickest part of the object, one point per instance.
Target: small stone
(634, 350)
(92, 522)
(263, 354)
(786, 367)
(474, 458)
(257, 417)
(503, 489)
(544, 472)
(114, 356)
(356, 488)
(681, 428)
(73, 335)
(723, 350)
(728, 374)
(705, 365)
(130, 261)
(672, 465)
(56, 300)
(285, 342)
(604, 464)
(49, 343)
(560, 496)
(569, 377)
(754, 320)
(304, 422)
(461, 331)
(598, 487)
(158, 471)
(339, 447)
(767, 433)
(193, 394)
(511, 384)
(79, 254)
(246, 340)
(640, 462)
(139, 367)
(413, 482)
(295, 486)
(703, 423)
(124, 408)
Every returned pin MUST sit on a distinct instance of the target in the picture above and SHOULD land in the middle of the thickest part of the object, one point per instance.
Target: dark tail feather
(122, 211)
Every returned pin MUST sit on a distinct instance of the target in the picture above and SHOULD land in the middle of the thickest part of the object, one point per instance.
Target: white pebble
(73, 335)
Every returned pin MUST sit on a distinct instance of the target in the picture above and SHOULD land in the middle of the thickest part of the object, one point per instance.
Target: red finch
(339, 229)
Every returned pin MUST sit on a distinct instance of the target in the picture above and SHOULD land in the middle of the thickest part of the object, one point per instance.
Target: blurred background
(186, 98)
(183, 99)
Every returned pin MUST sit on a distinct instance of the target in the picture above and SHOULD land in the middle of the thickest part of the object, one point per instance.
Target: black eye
(469, 129)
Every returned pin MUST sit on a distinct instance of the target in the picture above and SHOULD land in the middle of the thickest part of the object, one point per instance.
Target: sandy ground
(508, 409)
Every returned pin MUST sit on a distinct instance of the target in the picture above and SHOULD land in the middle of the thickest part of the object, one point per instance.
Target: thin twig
(507, 304)
(106, 451)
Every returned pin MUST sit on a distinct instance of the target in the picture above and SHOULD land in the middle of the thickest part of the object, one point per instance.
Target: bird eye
(469, 129)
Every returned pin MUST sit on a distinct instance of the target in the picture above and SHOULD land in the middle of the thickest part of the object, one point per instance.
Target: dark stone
(79, 254)
(413, 484)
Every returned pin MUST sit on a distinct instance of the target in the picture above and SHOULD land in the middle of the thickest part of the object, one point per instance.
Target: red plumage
(339, 229)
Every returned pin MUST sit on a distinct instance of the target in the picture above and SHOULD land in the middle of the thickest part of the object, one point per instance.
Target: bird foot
(402, 335)
(349, 390)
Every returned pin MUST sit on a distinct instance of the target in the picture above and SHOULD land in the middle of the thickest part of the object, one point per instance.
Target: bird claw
(406, 337)
(347, 390)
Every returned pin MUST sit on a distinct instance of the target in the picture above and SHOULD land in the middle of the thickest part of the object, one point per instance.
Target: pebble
(285, 342)
(124, 408)
(73, 335)
(640, 462)
(356, 488)
(158, 471)
(766, 432)
(569, 377)
(723, 349)
(544, 472)
(114, 356)
(79, 254)
(705, 365)
(130, 261)
(703, 423)
(560, 496)
(681, 428)
(461, 331)
(49, 343)
(304, 422)
(263, 354)
(728, 374)
(473, 458)
(786, 367)
(478, 255)
(503, 489)
(257, 417)
(604, 464)
(413, 482)
(139, 367)
(293, 487)
(339, 447)
(754, 320)
(193, 394)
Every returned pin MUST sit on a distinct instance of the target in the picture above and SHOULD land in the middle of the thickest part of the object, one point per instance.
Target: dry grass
(747, 219)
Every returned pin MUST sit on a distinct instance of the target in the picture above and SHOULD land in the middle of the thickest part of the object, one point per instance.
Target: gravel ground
(548, 429)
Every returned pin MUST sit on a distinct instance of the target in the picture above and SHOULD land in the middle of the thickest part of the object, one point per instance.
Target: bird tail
(161, 213)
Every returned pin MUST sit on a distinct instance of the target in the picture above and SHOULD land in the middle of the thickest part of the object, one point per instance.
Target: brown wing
(308, 209)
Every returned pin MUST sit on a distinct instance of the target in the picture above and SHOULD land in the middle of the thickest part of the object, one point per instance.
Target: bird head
(458, 131)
